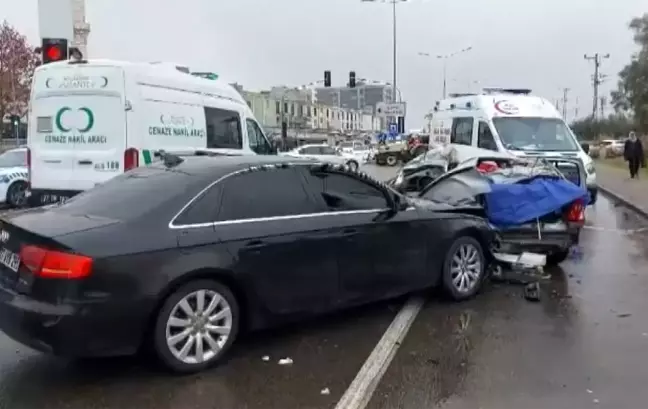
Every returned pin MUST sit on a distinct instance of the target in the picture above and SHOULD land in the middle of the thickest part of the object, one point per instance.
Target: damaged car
(536, 205)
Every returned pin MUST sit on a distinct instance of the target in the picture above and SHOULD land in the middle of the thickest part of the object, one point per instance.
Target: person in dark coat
(633, 153)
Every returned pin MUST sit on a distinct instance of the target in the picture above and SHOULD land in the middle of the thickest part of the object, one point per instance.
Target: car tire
(171, 322)
(464, 267)
(553, 259)
(16, 194)
(353, 165)
(391, 160)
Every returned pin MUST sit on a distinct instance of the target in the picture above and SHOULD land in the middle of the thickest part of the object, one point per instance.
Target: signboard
(55, 19)
(393, 129)
(384, 109)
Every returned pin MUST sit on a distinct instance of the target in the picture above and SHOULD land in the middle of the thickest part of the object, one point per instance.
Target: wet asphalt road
(584, 345)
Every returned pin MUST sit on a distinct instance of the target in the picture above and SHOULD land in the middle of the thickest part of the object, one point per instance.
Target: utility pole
(564, 103)
(603, 106)
(597, 79)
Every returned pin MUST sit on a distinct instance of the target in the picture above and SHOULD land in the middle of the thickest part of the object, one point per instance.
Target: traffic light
(327, 78)
(54, 49)
(352, 79)
(14, 120)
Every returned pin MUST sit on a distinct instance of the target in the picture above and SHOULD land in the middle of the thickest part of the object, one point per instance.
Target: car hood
(51, 222)
(429, 205)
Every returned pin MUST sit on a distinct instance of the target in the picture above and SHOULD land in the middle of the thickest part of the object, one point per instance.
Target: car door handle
(85, 162)
(254, 244)
(349, 232)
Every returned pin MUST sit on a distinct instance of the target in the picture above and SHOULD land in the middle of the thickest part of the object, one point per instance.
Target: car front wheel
(353, 165)
(463, 268)
(196, 326)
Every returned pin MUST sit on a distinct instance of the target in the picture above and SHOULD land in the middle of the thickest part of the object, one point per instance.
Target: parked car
(182, 255)
(546, 199)
(613, 147)
(14, 177)
(325, 153)
(355, 149)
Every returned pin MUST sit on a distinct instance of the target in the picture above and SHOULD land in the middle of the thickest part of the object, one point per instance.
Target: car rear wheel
(391, 160)
(353, 165)
(196, 326)
(553, 259)
(463, 268)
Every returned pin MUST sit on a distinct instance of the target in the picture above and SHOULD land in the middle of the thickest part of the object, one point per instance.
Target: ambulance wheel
(16, 194)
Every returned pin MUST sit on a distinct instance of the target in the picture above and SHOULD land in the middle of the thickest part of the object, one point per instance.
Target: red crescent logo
(506, 107)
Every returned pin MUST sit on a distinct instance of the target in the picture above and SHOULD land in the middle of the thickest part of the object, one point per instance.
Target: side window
(257, 141)
(310, 150)
(269, 193)
(462, 129)
(485, 138)
(343, 192)
(203, 209)
(327, 150)
(223, 129)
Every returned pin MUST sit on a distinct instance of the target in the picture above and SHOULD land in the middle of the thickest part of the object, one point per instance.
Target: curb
(625, 202)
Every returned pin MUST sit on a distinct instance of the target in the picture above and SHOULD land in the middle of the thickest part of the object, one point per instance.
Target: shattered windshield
(535, 134)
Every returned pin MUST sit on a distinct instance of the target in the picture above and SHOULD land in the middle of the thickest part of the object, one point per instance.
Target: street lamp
(445, 58)
(393, 2)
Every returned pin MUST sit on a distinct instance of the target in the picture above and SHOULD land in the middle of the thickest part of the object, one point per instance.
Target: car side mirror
(398, 204)
(586, 147)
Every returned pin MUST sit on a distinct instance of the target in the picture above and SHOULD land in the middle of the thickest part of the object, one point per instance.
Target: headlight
(590, 168)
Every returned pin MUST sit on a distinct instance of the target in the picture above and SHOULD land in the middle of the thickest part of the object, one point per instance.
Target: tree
(17, 63)
(631, 95)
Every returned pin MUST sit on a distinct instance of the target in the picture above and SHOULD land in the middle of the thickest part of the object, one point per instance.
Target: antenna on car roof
(170, 160)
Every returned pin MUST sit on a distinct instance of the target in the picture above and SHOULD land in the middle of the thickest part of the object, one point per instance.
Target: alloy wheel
(466, 268)
(199, 326)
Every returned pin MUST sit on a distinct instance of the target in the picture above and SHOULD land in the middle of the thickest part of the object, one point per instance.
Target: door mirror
(585, 147)
(399, 204)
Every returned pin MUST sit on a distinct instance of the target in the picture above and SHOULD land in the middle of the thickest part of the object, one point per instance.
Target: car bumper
(73, 330)
(549, 242)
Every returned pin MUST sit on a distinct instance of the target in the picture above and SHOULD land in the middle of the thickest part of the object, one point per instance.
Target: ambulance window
(462, 129)
(485, 138)
(223, 129)
(256, 140)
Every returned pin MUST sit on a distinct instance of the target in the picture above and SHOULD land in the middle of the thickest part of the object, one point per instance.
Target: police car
(14, 177)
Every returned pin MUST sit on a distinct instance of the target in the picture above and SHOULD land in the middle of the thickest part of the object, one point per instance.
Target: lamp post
(445, 58)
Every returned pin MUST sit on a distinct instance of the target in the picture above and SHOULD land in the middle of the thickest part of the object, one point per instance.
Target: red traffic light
(54, 49)
(53, 53)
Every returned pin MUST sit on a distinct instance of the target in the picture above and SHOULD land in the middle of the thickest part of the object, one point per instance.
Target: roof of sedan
(202, 165)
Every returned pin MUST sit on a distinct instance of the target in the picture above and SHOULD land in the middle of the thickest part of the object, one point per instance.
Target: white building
(81, 27)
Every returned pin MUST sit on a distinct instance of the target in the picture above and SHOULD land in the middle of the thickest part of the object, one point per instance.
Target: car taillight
(576, 212)
(131, 159)
(55, 264)
(28, 167)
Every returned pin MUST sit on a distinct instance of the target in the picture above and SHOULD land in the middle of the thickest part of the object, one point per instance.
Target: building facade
(297, 107)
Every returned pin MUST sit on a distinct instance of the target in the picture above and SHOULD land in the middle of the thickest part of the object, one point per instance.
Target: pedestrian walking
(633, 153)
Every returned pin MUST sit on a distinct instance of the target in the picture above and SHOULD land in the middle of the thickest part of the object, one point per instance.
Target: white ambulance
(507, 120)
(91, 120)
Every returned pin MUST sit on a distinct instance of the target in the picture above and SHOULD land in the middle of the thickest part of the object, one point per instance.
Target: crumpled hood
(425, 204)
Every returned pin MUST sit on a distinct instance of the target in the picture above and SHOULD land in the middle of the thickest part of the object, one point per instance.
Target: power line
(597, 79)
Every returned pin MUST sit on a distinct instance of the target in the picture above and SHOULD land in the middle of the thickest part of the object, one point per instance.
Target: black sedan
(181, 256)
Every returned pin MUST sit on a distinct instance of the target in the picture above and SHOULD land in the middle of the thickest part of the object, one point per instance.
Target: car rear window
(130, 195)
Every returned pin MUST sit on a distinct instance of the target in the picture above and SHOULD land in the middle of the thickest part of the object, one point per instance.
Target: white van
(91, 120)
(507, 120)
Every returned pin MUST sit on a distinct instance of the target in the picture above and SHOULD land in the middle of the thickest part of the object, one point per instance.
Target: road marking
(359, 393)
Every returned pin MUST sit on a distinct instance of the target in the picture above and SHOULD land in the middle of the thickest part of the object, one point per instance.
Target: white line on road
(359, 393)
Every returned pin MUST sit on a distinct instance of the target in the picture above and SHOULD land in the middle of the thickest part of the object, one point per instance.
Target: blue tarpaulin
(518, 203)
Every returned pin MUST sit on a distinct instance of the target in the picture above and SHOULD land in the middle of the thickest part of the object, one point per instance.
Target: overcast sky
(259, 43)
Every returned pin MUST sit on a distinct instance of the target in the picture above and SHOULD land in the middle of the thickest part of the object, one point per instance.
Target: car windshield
(361, 148)
(535, 134)
(327, 150)
(346, 145)
(11, 159)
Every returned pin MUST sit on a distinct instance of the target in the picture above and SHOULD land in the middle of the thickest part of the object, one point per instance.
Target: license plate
(10, 259)
(49, 199)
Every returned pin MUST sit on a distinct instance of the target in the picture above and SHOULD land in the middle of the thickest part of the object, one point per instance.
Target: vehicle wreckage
(536, 205)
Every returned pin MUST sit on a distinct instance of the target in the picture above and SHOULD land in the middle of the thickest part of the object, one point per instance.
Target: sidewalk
(617, 183)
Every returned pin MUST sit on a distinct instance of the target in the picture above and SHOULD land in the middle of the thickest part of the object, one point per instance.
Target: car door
(272, 229)
(382, 252)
